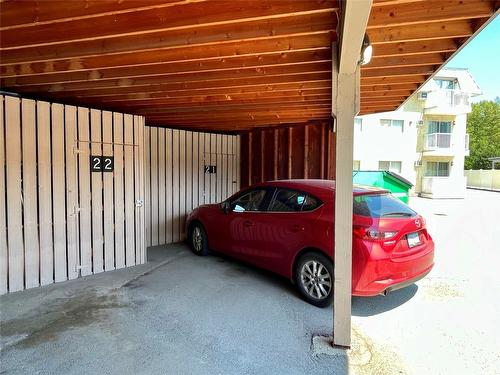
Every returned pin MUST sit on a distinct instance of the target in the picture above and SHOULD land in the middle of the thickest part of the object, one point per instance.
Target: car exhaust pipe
(384, 293)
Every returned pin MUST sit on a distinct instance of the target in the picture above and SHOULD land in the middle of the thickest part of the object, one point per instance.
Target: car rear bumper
(383, 276)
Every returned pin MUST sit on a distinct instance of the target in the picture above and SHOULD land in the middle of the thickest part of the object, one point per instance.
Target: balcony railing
(456, 98)
(448, 101)
(438, 140)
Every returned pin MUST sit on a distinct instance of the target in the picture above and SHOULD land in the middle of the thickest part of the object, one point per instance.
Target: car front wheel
(198, 239)
(314, 279)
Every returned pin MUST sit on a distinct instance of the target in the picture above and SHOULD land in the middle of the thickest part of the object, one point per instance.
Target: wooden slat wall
(304, 151)
(59, 221)
(175, 179)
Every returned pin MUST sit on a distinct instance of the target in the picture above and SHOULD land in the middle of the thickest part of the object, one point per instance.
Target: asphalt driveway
(213, 315)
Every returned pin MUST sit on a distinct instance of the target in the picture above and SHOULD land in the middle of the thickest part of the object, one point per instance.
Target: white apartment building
(425, 141)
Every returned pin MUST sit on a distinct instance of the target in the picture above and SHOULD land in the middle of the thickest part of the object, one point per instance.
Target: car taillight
(373, 233)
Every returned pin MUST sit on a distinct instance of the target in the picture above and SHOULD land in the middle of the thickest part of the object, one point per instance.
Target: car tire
(314, 278)
(198, 239)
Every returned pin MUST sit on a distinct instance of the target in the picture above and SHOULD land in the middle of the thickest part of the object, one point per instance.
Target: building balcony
(447, 102)
(438, 144)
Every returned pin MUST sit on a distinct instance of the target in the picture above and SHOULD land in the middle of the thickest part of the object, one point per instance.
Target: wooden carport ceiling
(221, 65)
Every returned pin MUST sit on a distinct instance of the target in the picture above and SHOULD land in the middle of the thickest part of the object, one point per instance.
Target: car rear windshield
(381, 205)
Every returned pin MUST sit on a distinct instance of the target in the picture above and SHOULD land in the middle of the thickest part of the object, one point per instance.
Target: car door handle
(297, 228)
(248, 223)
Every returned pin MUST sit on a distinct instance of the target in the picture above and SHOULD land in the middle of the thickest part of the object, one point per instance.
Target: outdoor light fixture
(366, 51)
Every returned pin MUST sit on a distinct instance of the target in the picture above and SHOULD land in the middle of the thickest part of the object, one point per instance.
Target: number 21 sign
(102, 163)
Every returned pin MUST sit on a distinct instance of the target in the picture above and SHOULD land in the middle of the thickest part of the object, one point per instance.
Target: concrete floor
(212, 315)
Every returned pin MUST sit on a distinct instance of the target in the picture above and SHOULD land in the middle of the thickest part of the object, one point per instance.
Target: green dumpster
(397, 185)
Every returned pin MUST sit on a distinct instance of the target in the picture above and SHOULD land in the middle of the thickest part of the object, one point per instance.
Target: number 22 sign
(102, 163)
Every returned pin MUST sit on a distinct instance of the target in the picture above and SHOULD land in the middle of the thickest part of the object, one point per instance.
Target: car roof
(319, 187)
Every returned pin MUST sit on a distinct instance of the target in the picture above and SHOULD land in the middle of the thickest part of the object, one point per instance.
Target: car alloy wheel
(315, 279)
(197, 239)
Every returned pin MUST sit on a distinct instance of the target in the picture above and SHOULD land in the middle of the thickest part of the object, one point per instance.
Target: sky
(482, 57)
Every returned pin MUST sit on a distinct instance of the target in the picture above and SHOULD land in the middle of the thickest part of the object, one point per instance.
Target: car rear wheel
(314, 279)
(198, 239)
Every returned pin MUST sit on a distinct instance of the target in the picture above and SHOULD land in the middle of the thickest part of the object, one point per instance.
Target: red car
(287, 227)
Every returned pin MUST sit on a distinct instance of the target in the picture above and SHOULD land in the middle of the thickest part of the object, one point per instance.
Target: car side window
(254, 200)
(310, 203)
(287, 201)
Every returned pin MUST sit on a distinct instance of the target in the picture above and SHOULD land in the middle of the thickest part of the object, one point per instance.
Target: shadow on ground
(368, 306)
(361, 306)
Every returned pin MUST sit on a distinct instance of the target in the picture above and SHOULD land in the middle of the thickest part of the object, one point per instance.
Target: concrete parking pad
(213, 315)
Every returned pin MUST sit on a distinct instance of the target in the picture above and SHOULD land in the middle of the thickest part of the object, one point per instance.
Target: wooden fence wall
(176, 180)
(59, 220)
(301, 151)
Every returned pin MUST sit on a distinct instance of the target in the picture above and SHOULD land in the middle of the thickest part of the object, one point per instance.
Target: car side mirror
(226, 207)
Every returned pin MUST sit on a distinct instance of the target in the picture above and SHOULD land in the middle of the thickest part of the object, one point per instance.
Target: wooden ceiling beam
(236, 111)
(427, 12)
(372, 82)
(218, 86)
(394, 2)
(404, 60)
(84, 89)
(231, 127)
(36, 13)
(242, 115)
(213, 65)
(15, 65)
(158, 44)
(216, 15)
(135, 94)
(225, 125)
(376, 101)
(238, 123)
(385, 87)
(386, 94)
(426, 31)
(399, 71)
(216, 98)
(415, 47)
(201, 97)
(268, 102)
(320, 67)
(370, 111)
(389, 104)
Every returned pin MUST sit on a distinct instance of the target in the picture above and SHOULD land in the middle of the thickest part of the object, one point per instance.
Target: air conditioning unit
(422, 96)
(418, 163)
(420, 122)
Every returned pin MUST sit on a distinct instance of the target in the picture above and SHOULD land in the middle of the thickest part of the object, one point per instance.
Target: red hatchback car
(287, 227)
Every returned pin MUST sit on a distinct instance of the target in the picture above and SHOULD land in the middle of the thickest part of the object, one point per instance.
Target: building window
(356, 165)
(437, 169)
(392, 166)
(393, 124)
(438, 127)
(358, 124)
(448, 84)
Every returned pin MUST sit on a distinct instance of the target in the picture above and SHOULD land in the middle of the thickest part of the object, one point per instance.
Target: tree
(483, 126)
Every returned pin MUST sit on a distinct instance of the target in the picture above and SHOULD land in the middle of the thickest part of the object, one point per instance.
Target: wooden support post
(262, 155)
(306, 151)
(345, 106)
(250, 136)
(289, 155)
(276, 149)
(322, 152)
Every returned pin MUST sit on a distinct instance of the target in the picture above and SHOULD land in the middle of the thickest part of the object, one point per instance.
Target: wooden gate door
(109, 229)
